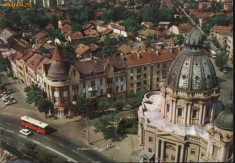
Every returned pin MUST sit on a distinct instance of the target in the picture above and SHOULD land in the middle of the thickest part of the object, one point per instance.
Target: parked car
(11, 101)
(5, 96)
(224, 71)
(25, 132)
(8, 99)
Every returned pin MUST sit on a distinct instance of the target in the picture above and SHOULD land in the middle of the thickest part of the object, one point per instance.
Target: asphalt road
(55, 142)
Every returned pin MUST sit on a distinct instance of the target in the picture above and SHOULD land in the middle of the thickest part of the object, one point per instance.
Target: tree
(166, 14)
(76, 27)
(130, 25)
(149, 14)
(208, 46)
(67, 51)
(30, 149)
(34, 94)
(140, 95)
(46, 157)
(107, 126)
(81, 106)
(103, 105)
(221, 60)
(215, 42)
(56, 34)
(108, 45)
(45, 106)
(4, 64)
(26, 17)
(178, 39)
(119, 104)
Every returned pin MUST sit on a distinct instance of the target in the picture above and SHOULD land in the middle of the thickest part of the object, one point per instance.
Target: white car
(5, 96)
(224, 71)
(25, 132)
(11, 101)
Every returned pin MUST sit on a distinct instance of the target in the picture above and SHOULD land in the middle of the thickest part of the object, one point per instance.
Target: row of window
(180, 112)
(92, 83)
(139, 69)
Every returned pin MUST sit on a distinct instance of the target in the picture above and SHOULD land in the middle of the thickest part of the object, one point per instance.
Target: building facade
(145, 70)
(176, 123)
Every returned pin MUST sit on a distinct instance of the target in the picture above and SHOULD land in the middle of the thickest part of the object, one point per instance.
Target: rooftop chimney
(157, 52)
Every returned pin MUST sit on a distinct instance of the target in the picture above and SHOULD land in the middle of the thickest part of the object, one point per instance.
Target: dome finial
(194, 38)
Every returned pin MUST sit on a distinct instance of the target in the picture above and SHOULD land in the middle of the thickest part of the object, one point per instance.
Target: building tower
(57, 84)
(175, 123)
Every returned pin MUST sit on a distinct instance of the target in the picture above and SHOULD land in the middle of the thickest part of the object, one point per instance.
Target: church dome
(225, 119)
(58, 69)
(192, 70)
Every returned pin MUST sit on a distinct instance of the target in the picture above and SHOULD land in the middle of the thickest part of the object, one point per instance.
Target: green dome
(225, 119)
(194, 38)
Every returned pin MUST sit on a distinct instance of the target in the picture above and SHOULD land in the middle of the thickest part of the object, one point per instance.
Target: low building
(204, 5)
(13, 59)
(63, 2)
(164, 25)
(228, 6)
(30, 69)
(40, 37)
(61, 23)
(119, 29)
(83, 51)
(75, 38)
(6, 35)
(20, 65)
(46, 3)
(90, 33)
(184, 28)
(66, 28)
(224, 35)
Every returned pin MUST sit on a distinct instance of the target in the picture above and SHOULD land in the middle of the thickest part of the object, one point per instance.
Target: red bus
(34, 124)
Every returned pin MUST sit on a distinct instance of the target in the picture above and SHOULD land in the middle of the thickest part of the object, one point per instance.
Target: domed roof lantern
(194, 38)
(225, 119)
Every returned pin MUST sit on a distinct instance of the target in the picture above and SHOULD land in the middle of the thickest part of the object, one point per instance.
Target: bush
(132, 130)
(124, 124)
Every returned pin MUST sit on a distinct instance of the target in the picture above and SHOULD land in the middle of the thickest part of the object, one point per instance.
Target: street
(56, 143)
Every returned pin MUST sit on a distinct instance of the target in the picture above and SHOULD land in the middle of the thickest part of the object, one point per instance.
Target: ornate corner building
(179, 122)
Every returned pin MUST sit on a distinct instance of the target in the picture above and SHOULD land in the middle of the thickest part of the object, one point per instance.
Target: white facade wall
(98, 87)
(120, 83)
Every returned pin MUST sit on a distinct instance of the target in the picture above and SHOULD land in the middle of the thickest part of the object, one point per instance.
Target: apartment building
(145, 70)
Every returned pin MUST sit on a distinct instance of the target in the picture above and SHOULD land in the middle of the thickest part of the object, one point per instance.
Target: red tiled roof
(185, 27)
(48, 13)
(99, 13)
(107, 31)
(86, 26)
(66, 28)
(40, 35)
(39, 67)
(49, 27)
(91, 32)
(77, 36)
(222, 29)
(133, 60)
(34, 61)
(115, 26)
(66, 21)
(93, 47)
(16, 55)
(81, 49)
